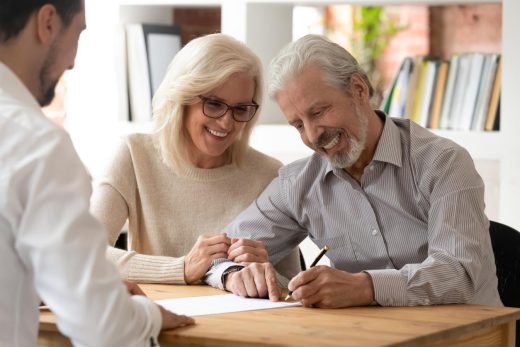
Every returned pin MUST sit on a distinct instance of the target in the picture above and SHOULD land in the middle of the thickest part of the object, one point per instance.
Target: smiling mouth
(216, 133)
(332, 142)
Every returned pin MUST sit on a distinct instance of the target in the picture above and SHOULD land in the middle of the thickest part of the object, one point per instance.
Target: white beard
(349, 156)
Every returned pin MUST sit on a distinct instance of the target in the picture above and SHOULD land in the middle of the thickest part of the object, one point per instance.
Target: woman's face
(208, 138)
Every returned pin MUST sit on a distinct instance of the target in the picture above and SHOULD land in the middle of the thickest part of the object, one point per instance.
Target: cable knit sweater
(166, 212)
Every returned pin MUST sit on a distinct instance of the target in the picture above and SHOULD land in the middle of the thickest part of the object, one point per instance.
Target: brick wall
(463, 28)
(197, 21)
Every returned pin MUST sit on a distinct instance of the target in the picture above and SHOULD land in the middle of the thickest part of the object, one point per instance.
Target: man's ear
(48, 24)
(359, 88)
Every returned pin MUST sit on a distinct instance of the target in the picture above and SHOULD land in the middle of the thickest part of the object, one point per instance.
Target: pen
(320, 255)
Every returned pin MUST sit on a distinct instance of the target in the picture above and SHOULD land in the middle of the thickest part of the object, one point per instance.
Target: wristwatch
(229, 270)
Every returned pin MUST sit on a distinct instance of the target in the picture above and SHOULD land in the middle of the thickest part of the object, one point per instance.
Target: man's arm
(268, 219)
(460, 262)
(65, 247)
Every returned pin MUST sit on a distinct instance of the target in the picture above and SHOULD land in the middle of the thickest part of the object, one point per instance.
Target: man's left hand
(322, 286)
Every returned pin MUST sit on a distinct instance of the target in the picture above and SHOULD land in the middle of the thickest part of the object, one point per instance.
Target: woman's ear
(48, 24)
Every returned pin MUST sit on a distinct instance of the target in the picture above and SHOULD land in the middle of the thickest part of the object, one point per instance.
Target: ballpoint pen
(320, 255)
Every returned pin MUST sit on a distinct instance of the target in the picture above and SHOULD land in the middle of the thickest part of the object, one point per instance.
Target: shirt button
(374, 232)
(371, 167)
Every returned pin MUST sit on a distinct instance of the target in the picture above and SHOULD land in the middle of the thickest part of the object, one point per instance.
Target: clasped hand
(209, 248)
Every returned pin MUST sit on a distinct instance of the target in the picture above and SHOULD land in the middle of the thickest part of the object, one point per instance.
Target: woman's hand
(245, 251)
(206, 249)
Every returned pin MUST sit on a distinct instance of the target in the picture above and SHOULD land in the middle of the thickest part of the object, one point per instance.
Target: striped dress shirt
(415, 223)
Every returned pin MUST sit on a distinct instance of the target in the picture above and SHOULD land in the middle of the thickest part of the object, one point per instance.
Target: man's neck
(21, 61)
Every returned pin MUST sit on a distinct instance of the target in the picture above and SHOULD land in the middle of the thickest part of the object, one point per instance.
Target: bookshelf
(266, 26)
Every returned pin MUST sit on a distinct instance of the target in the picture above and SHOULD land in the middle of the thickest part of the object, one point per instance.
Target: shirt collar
(388, 148)
(14, 87)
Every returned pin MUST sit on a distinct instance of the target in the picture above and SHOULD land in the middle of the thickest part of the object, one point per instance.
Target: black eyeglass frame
(228, 107)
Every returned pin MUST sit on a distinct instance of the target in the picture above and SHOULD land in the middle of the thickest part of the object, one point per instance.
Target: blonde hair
(202, 65)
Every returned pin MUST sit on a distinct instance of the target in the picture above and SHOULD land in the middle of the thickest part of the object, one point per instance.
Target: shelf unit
(266, 26)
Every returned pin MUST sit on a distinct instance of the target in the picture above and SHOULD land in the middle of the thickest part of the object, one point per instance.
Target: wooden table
(444, 325)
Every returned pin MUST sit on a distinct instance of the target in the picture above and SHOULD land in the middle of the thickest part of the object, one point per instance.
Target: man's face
(329, 120)
(60, 57)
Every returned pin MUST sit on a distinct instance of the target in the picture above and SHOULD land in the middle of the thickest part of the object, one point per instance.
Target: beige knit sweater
(167, 212)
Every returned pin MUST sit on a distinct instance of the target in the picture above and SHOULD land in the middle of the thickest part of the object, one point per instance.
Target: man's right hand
(172, 320)
(257, 280)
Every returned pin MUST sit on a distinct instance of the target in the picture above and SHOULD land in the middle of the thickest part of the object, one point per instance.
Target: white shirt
(51, 248)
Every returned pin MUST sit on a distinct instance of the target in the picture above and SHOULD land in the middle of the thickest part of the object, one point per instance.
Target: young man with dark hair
(51, 248)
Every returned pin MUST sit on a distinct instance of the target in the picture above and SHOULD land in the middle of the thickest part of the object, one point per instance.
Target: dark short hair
(14, 14)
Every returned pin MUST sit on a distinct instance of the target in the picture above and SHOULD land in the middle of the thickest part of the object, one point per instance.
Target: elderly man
(51, 248)
(400, 208)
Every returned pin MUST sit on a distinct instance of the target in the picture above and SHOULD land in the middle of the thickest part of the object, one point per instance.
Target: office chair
(506, 247)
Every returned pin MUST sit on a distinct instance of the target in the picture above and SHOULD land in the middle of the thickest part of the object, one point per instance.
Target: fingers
(235, 284)
(250, 283)
(245, 250)
(172, 321)
(272, 284)
(249, 257)
(304, 277)
(219, 248)
(205, 250)
(220, 238)
(255, 280)
(133, 288)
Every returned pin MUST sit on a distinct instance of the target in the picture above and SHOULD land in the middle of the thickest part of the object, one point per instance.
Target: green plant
(371, 35)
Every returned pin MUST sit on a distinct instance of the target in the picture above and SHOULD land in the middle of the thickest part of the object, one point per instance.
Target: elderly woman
(181, 185)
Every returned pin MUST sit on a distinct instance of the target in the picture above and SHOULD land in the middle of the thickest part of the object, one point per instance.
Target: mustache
(327, 136)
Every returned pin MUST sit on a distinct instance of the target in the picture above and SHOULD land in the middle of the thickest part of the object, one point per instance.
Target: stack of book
(460, 94)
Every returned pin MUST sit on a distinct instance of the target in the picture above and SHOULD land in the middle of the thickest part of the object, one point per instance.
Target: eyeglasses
(215, 109)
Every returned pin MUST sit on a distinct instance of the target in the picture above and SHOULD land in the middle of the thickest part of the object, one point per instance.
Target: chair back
(506, 247)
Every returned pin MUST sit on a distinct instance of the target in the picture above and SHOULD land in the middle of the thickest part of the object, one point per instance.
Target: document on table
(214, 304)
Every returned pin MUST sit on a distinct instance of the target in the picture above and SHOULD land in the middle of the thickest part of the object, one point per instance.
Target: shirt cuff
(153, 317)
(214, 275)
(389, 287)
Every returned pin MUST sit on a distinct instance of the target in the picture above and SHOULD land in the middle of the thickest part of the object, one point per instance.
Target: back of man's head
(14, 14)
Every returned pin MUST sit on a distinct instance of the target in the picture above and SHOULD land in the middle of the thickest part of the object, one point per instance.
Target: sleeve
(110, 205)
(270, 220)
(64, 246)
(459, 249)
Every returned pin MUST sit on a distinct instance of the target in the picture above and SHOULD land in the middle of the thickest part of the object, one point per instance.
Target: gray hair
(202, 65)
(336, 63)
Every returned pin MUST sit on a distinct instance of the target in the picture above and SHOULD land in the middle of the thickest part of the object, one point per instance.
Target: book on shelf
(493, 113)
(485, 91)
(395, 101)
(461, 94)
(448, 92)
(413, 81)
(150, 49)
(437, 97)
(475, 72)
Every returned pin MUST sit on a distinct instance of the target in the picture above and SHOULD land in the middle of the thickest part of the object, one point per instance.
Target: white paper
(214, 304)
